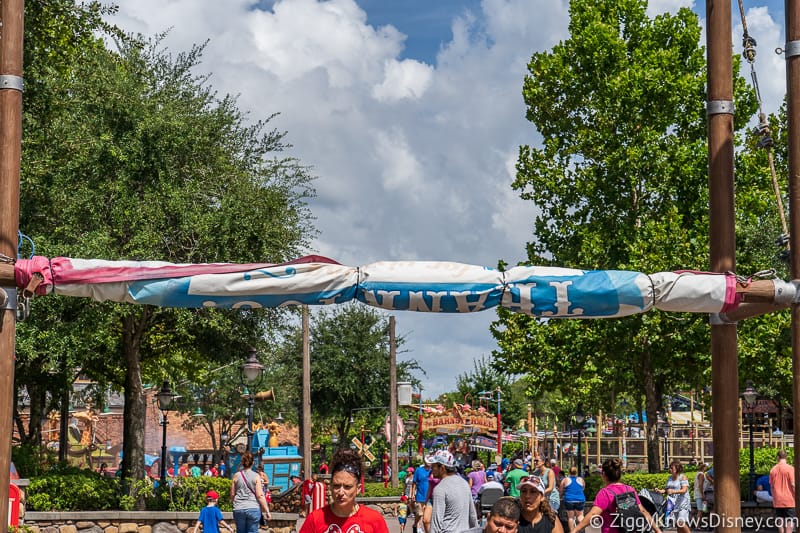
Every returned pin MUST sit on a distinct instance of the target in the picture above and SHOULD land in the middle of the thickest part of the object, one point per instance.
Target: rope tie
(763, 131)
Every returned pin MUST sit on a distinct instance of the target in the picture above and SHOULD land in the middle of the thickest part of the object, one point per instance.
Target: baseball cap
(552, 461)
(518, 463)
(212, 495)
(531, 481)
(489, 475)
(403, 498)
(443, 457)
(410, 470)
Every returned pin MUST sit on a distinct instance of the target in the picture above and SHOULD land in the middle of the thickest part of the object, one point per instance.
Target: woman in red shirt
(343, 514)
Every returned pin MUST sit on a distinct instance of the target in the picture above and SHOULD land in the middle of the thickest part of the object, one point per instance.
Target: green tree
(58, 35)
(619, 183)
(139, 159)
(765, 352)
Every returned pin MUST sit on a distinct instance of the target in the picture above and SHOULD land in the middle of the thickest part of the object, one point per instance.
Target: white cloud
(657, 7)
(403, 79)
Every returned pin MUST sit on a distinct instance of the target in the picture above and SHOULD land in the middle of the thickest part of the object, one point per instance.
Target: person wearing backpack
(617, 505)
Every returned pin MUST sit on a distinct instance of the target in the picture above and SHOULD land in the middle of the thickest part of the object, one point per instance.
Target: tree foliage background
(620, 182)
(129, 154)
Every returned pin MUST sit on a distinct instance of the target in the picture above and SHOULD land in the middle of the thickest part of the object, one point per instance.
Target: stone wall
(137, 522)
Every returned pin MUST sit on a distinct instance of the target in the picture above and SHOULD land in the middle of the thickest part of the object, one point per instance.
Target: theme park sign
(459, 417)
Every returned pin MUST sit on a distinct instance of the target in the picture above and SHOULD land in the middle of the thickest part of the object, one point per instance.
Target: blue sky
(410, 114)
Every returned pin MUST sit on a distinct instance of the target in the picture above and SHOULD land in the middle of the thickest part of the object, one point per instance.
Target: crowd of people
(526, 497)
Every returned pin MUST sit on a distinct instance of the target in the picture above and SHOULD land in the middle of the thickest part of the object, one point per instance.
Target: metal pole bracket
(719, 107)
(791, 49)
(8, 298)
(720, 319)
(9, 81)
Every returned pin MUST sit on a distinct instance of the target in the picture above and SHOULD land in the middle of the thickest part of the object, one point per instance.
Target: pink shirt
(605, 501)
(781, 480)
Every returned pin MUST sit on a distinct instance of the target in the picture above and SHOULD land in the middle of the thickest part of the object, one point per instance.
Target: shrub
(374, 490)
(72, 489)
(32, 460)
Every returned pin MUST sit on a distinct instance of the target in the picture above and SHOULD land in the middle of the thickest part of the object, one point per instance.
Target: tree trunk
(652, 394)
(135, 413)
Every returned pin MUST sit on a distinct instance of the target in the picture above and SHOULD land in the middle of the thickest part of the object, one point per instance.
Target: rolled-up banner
(422, 286)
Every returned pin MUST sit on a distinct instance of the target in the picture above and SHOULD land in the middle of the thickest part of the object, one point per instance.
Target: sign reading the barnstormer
(460, 416)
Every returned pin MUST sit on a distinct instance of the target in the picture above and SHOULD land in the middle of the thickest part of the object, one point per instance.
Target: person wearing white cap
(537, 515)
(452, 508)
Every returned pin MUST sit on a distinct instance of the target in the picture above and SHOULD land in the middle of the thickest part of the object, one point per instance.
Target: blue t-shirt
(764, 482)
(210, 517)
(421, 480)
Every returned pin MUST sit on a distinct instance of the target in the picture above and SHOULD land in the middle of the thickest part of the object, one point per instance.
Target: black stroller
(656, 505)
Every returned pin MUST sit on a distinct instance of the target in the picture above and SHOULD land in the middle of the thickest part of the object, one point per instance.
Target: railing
(683, 444)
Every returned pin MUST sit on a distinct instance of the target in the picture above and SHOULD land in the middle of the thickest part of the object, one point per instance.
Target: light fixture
(198, 413)
(106, 411)
(750, 395)
(251, 369)
(279, 418)
(352, 420)
(580, 416)
(165, 397)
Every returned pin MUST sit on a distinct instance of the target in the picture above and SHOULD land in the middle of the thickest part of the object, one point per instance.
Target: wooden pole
(793, 115)
(306, 396)
(11, 18)
(599, 435)
(532, 431)
(724, 368)
(393, 401)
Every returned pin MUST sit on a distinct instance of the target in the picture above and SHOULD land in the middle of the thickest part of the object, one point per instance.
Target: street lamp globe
(580, 416)
(165, 397)
(750, 395)
(251, 369)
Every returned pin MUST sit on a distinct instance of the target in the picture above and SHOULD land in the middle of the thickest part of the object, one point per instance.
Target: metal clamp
(720, 319)
(719, 107)
(9, 81)
(792, 49)
(8, 298)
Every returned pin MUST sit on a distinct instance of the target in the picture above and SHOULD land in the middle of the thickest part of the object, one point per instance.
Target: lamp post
(251, 374)
(363, 443)
(411, 425)
(750, 395)
(487, 395)
(580, 416)
(165, 397)
(419, 425)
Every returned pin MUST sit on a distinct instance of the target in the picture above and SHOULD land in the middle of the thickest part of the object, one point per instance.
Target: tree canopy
(619, 183)
(129, 154)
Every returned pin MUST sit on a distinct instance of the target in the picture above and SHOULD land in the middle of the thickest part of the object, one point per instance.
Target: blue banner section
(176, 293)
(430, 297)
(595, 293)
